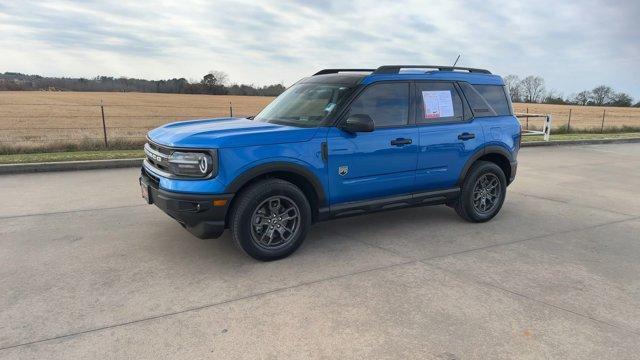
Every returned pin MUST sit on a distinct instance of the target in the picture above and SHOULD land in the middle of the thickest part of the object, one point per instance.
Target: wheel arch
(298, 175)
(495, 154)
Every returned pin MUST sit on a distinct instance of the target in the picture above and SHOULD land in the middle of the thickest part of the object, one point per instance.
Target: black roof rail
(334, 71)
(395, 69)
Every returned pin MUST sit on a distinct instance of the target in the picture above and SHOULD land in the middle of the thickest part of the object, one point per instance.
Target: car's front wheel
(483, 192)
(270, 219)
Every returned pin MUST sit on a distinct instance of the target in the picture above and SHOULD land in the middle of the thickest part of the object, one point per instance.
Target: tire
(479, 176)
(257, 228)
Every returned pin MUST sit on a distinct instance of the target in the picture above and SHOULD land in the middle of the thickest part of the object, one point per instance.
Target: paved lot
(88, 271)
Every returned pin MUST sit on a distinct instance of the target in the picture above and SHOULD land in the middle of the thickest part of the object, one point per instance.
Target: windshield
(304, 105)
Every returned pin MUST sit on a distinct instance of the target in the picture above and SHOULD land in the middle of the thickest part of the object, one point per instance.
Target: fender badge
(343, 170)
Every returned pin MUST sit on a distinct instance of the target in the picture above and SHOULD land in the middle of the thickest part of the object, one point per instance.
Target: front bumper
(196, 213)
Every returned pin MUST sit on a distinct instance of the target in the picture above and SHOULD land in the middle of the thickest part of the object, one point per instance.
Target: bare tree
(221, 77)
(581, 98)
(513, 86)
(532, 88)
(621, 99)
(553, 97)
(601, 95)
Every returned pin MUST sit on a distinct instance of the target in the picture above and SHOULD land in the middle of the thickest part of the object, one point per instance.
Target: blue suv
(341, 142)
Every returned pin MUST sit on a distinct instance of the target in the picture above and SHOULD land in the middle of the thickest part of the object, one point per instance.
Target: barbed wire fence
(28, 127)
(584, 119)
(93, 127)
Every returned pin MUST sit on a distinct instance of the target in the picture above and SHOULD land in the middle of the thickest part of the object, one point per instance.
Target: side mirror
(358, 123)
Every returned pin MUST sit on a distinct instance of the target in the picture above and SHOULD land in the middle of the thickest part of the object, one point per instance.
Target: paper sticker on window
(437, 104)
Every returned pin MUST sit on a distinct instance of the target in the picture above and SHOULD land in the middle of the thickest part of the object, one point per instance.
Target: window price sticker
(437, 104)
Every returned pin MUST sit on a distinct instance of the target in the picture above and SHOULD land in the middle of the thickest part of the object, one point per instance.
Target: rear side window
(438, 102)
(487, 100)
(386, 103)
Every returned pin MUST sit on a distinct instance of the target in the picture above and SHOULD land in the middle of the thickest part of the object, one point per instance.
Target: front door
(380, 163)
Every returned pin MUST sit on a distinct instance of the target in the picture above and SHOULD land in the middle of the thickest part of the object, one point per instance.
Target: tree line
(531, 89)
(214, 83)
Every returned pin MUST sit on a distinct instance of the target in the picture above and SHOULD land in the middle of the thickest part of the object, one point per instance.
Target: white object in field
(546, 128)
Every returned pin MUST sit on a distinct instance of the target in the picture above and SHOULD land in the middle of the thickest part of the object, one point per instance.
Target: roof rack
(395, 69)
(334, 71)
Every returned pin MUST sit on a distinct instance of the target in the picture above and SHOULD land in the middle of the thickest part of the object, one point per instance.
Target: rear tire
(270, 219)
(483, 192)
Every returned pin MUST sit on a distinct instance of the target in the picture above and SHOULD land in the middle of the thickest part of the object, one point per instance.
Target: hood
(227, 132)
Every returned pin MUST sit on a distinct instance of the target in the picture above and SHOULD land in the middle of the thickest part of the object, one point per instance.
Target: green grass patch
(84, 145)
(607, 130)
(560, 137)
(70, 156)
(563, 129)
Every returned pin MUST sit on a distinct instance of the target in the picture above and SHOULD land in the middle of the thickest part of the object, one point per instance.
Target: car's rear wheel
(483, 192)
(270, 219)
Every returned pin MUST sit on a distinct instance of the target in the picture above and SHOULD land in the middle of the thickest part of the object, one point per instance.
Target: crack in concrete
(69, 211)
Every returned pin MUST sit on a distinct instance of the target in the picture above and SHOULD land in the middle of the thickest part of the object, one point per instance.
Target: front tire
(270, 219)
(483, 192)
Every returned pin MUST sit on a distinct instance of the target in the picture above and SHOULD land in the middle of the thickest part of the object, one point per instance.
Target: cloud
(573, 44)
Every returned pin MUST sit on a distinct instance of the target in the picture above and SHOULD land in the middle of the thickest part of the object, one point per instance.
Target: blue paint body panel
(359, 166)
(375, 168)
(442, 156)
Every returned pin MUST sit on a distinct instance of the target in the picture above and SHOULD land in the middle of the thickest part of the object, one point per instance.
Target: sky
(573, 45)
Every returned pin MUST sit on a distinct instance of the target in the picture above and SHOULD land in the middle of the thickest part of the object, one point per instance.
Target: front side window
(438, 102)
(386, 103)
(304, 104)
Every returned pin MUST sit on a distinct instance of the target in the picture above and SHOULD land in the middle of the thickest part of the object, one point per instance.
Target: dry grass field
(31, 120)
(40, 118)
(582, 117)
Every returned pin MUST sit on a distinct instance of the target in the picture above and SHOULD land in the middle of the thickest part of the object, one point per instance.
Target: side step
(388, 203)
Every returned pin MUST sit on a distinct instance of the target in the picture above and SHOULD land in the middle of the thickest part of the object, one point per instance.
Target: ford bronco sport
(338, 143)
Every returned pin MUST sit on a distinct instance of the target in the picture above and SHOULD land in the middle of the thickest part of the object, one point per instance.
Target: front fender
(290, 165)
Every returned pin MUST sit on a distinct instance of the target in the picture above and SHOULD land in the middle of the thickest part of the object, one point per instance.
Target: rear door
(379, 163)
(449, 136)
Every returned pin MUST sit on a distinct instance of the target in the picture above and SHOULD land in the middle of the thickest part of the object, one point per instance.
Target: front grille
(158, 160)
(157, 156)
(159, 148)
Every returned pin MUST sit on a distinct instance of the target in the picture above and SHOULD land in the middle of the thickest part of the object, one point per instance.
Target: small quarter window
(487, 100)
(496, 97)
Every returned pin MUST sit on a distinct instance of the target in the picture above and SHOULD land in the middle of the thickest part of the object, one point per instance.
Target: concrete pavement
(88, 271)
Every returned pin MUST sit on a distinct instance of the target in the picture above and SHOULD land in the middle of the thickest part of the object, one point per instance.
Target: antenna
(458, 58)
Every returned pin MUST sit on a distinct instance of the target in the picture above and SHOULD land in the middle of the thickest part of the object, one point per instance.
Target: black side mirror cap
(358, 123)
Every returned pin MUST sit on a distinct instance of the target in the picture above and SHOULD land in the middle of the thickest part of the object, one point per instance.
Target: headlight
(193, 164)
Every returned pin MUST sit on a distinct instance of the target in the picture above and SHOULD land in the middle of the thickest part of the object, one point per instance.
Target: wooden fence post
(230, 109)
(527, 119)
(104, 126)
(569, 123)
(602, 127)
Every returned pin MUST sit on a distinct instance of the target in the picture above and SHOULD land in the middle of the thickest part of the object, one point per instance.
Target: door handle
(400, 142)
(466, 136)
